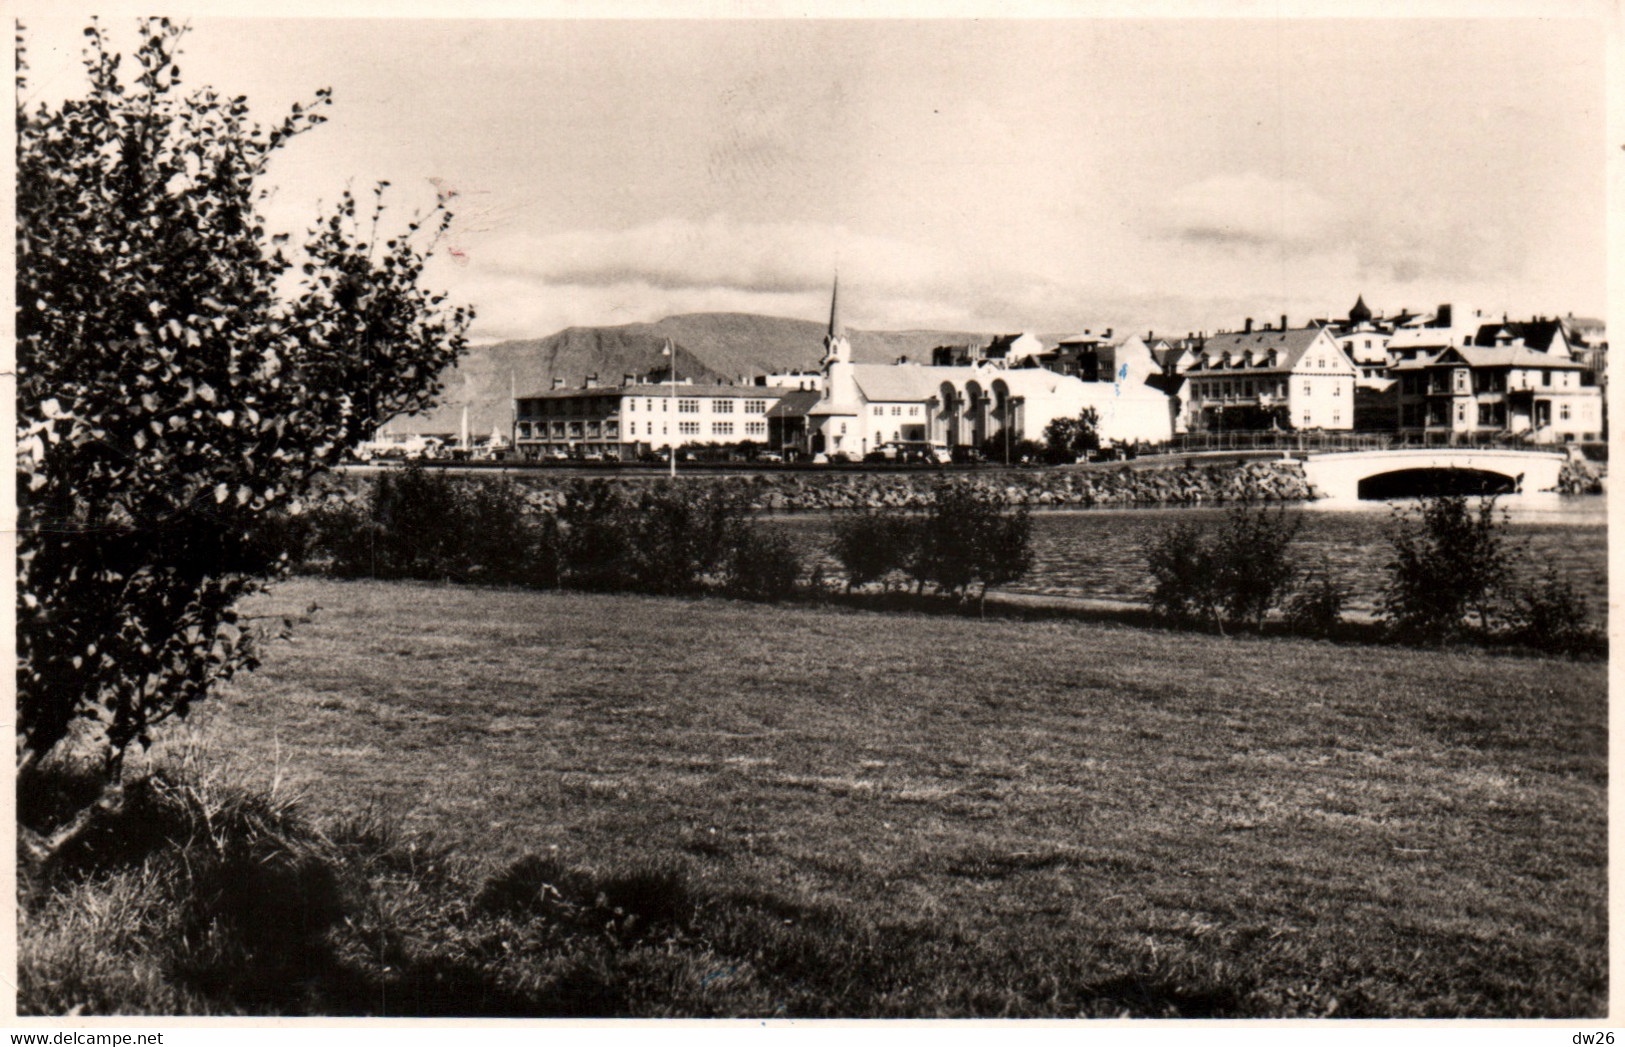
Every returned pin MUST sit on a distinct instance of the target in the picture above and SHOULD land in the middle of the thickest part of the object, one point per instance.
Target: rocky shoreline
(1276, 481)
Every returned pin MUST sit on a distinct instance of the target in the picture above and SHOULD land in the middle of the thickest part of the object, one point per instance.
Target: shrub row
(1454, 575)
(966, 536)
(663, 538)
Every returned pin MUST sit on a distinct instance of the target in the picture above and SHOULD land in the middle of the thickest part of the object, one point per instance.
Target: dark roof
(1290, 345)
(1488, 356)
(795, 403)
(1536, 334)
(1360, 313)
(745, 392)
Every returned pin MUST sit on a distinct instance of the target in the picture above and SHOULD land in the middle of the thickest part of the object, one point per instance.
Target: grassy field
(865, 814)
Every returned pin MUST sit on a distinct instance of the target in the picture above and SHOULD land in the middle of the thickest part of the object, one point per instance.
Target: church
(868, 407)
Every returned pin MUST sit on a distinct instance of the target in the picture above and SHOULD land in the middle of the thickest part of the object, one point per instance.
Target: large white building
(629, 420)
(865, 407)
(1299, 376)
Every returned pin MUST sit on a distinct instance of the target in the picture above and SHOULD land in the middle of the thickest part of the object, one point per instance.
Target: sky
(1041, 174)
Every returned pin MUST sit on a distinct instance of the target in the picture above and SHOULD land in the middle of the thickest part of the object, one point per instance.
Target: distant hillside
(711, 347)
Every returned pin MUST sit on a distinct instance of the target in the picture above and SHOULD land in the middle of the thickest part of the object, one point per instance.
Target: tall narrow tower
(836, 347)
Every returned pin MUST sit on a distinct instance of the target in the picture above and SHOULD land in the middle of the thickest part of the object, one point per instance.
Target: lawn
(947, 816)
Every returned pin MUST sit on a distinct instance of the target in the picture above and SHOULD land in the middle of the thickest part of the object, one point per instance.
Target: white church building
(864, 407)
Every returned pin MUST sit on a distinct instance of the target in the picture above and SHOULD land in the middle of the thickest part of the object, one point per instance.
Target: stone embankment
(1060, 488)
(1580, 476)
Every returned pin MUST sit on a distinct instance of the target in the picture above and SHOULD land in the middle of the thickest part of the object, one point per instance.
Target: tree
(180, 384)
(971, 535)
(1449, 559)
(1233, 573)
(1069, 439)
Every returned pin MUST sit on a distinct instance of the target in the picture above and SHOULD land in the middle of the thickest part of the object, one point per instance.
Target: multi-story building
(1297, 378)
(1003, 394)
(1492, 390)
(635, 419)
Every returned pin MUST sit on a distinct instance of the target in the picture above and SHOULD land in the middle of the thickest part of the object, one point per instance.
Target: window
(558, 430)
(1307, 387)
(896, 410)
(1306, 419)
(1337, 417)
(722, 406)
(1337, 388)
(914, 411)
(688, 407)
(755, 406)
(524, 429)
(722, 428)
(879, 410)
(1563, 412)
(1461, 412)
(648, 405)
(1545, 377)
(612, 430)
(688, 428)
(755, 428)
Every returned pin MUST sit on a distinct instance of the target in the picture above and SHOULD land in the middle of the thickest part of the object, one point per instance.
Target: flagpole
(671, 444)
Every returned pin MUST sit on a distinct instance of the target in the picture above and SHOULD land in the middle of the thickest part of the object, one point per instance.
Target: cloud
(526, 285)
(1249, 210)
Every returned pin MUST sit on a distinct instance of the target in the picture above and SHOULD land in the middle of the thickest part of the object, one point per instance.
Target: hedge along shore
(1273, 480)
(1186, 483)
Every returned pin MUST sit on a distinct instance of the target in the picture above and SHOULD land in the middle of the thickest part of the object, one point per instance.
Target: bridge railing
(1310, 442)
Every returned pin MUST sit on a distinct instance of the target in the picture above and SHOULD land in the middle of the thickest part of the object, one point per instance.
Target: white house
(1240, 378)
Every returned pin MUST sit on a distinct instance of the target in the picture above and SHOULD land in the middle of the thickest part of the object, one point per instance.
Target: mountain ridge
(710, 347)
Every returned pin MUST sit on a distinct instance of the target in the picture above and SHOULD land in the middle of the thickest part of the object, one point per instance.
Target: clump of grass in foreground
(205, 899)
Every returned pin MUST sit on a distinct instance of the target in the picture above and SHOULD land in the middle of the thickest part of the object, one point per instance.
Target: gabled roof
(743, 392)
(905, 383)
(1536, 334)
(1290, 344)
(794, 404)
(1489, 356)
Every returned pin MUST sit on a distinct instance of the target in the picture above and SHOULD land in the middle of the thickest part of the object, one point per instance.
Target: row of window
(1490, 415)
(685, 405)
(611, 430)
(897, 410)
(1247, 388)
(1460, 380)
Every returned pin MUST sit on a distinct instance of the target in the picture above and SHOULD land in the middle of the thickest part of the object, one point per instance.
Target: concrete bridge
(1354, 474)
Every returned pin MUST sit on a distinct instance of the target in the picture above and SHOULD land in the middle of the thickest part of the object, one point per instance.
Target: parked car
(770, 456)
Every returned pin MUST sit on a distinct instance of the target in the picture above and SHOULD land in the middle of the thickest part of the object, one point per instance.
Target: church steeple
(836, 346)
(1360, 314)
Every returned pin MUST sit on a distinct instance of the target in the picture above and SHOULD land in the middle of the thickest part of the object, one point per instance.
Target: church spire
(1360, 313)
(836, 347)
(836, 328)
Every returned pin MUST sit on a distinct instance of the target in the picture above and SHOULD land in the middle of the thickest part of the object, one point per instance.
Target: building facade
(1287, 378)
(1484, 391)
(630, 420)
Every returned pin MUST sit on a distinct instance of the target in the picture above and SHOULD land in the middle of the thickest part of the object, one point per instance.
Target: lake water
(1098, 553)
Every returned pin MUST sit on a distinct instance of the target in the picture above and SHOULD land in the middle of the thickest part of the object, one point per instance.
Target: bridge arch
(1351, 475)
(1415, 483)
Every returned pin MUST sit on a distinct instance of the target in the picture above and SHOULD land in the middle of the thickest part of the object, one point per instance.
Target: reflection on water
(1099, 553)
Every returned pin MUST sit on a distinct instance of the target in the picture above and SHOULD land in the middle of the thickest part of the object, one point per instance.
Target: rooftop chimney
(1249, 328)
(1283, 321)
(1108, 332)
(591, 381)
(629, 379)
(558, 381)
